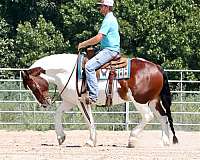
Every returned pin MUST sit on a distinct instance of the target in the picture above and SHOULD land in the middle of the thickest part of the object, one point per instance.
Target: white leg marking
(164, 126)
(165, 130)
(147, 116)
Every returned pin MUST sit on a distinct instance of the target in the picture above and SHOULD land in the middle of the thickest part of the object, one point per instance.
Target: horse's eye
(34, 87)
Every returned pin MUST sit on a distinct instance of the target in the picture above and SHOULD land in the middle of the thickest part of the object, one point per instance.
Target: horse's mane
(56, 61)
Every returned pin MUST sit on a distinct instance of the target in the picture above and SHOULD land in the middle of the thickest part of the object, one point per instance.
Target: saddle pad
(122, 73)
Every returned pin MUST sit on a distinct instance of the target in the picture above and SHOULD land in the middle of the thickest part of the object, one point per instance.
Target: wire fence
(18, 106)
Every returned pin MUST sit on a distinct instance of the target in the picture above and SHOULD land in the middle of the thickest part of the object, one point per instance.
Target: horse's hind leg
(87, 113)
(159, 112)
(147, 116)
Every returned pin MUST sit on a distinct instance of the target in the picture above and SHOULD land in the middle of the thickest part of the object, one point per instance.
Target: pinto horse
(147, 88)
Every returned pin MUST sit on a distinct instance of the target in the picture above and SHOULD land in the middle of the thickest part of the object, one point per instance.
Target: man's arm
(92, 41)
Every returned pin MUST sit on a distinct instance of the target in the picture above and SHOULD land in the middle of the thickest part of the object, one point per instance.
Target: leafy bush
(39, 41)
(165, 32)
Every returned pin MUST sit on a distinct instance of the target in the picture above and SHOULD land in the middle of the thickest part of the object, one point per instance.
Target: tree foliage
(166, 32)
(6, 44)
(34, 42)
(163, 31)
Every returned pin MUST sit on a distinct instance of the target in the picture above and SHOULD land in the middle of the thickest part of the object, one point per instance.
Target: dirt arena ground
(111, 145)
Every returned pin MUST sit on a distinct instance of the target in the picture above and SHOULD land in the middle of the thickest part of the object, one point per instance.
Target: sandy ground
(111, 145)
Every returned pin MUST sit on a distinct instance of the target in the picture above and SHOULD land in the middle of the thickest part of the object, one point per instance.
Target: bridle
(54, 97)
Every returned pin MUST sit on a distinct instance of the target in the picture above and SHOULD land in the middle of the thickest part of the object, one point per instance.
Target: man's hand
(81, 45)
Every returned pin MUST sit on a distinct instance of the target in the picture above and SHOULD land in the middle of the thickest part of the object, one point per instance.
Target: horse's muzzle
(47, 102)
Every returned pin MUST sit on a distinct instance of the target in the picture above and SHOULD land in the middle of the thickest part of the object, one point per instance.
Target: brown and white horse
(147, 88)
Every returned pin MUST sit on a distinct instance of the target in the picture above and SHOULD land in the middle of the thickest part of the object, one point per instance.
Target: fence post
(127, 115)
(181, 96)
(20, 97)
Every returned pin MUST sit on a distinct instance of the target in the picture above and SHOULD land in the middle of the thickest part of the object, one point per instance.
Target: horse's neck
(58, 67)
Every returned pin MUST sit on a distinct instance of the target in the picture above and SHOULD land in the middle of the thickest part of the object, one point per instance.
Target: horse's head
(38, 85)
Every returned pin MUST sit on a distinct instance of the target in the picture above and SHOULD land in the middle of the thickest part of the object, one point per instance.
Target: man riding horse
(147, 86)
(109, 38)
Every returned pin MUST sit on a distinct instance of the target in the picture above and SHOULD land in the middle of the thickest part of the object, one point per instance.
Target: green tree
(80, 21)
(6, 45)
(162, 31)
(33, 42)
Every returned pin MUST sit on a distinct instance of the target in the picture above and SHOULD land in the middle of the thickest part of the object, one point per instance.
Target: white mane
(57, 61)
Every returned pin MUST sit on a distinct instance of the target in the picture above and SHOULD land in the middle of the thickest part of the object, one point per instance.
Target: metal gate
(18, 106)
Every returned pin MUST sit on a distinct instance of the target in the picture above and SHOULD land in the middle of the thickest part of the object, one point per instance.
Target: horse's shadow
(68, 146)
(79, 146)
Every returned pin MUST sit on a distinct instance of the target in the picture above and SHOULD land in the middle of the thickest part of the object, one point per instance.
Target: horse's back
(145, 67)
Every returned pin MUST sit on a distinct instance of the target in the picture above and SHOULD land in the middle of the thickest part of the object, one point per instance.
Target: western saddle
(117, 62)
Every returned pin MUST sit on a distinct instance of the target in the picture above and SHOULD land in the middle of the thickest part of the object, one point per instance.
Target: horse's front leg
(58, 121)
(87, 113)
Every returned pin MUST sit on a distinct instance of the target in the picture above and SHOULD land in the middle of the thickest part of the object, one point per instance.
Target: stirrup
(108, 100)
(89, 101)
(81, 99)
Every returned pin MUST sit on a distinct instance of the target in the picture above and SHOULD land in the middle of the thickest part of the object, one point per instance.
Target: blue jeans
(96, 62)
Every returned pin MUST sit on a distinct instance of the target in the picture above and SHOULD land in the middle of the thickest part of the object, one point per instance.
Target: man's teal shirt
(110, 30)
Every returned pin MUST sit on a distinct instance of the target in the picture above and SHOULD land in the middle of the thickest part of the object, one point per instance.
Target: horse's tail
(166, 102)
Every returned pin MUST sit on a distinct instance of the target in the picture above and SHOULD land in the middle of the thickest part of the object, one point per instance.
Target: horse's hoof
(132, 141)
(131, 145)
(90, 143)
(61, 139)
(165, 141)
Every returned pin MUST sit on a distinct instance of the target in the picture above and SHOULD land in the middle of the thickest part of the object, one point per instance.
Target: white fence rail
(12, 94)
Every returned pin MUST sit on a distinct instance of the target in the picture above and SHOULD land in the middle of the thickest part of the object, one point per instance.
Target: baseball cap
(106, 2)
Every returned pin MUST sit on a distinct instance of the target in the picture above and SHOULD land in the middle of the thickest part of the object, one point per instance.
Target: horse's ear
(25, 77)
(36, 71)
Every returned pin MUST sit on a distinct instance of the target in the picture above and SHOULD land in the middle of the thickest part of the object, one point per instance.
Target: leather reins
(64, 86)
(77, 89)
(78, 92)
